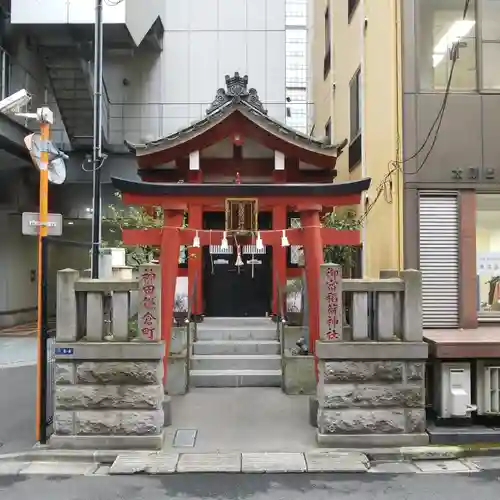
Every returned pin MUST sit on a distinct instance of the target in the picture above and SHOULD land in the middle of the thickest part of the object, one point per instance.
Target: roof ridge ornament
(236, 91)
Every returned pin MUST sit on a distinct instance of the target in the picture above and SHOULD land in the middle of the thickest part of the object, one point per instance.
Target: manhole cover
(185, 438)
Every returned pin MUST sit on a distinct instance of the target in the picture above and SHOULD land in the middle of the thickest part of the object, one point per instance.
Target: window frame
(478, 56)
(355, 80)
(355, 136)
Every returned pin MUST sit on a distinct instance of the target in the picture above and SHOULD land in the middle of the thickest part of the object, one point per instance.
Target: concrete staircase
(236, 352)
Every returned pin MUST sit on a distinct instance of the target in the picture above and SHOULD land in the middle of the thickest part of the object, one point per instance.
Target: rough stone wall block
(412, 330)
(66, 311)
(138, 373)
(95, 317)
(120, 316)
(385, 316)
(360, 316)
(116, 423)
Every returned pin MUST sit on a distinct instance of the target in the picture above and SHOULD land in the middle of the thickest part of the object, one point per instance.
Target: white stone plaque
(330, 305)
(149, 302)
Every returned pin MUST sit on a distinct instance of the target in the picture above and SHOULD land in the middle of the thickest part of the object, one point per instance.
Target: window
(490, 44)
(355, 112)
(351, 7)
(488, 254)
(444, 35)
(327, 63)
(355, 119)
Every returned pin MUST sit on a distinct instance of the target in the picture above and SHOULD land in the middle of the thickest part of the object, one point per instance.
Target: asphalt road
(484, 486)
(17, 394)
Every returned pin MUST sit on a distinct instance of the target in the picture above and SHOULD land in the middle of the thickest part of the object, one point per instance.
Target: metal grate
(492, 390)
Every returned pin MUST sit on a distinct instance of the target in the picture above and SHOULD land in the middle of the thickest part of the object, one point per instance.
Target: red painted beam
(265, 202)
(152, 237)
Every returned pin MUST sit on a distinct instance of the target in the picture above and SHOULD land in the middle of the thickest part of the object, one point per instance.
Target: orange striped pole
(43, 218)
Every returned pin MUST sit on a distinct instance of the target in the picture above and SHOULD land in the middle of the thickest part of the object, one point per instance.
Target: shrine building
(241, 178)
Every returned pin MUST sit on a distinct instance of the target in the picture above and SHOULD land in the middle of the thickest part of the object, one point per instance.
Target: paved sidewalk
(85, 463)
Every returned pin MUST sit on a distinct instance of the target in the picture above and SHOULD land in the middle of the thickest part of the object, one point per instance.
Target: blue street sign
(64, 350)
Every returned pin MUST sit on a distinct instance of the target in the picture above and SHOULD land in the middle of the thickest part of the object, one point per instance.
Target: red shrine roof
(237, 110)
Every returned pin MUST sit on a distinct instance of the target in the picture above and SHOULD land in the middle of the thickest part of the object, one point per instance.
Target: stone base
(313, 411)
(177, 375)
(298, 375)
(153, 443)
(167, 411)
(370, 440)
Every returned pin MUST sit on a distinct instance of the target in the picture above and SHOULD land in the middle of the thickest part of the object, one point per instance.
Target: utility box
(488, 388)
(454, 393)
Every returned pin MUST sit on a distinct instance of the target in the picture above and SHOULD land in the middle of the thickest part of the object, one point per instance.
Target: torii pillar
(313, 252)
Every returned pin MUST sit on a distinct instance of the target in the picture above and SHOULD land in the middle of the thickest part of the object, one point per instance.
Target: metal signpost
(43, 227)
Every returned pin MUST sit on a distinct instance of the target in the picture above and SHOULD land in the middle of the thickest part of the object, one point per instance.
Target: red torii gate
(309, 200)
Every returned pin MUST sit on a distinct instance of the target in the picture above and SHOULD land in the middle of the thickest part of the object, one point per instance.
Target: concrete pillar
(105, 263)
(412, 314)
(66, 311)
(120, 316)
(95, 317)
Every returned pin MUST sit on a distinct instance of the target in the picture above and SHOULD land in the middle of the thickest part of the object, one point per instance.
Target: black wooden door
(232, 291)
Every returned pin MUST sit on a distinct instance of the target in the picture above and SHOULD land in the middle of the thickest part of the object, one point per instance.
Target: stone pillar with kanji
(330, 303)
(149, 318)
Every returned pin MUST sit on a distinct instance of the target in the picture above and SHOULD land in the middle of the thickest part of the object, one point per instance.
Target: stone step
(235, 378)
(204, 347)
(238, 322)
(218, 333)
(236, 362)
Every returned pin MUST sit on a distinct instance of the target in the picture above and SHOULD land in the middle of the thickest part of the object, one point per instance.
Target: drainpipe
(399, 134)
(97, 141)
(362, 119)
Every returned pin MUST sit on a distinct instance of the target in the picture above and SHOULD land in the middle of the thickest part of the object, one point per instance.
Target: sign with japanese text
(149, 302)
(330, 307)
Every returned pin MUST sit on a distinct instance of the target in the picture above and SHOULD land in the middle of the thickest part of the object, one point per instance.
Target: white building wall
(18, 258)
(204, 41)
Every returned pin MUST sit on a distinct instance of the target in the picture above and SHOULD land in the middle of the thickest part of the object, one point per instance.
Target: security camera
(15, 101)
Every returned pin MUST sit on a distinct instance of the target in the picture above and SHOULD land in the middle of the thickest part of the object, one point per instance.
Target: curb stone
(313, 461)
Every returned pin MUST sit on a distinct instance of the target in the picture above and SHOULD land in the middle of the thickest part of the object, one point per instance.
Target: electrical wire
(113, 3)
(385, 186)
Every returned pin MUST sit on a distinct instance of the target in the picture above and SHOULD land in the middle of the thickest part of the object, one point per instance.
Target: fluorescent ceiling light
(458, 30)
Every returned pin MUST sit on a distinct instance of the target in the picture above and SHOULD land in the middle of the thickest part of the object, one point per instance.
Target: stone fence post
(371, 387)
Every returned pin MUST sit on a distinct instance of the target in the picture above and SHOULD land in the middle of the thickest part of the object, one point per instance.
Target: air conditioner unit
(488, 389)
(454, 396)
